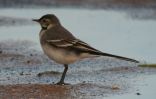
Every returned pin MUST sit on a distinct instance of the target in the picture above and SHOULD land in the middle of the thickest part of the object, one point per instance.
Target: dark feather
(82, 47)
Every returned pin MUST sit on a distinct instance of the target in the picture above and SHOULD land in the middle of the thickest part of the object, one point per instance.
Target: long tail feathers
(119, 57)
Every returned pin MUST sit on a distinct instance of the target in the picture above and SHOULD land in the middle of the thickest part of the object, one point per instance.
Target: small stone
(21, 73)
(138, 93)
(29, 83)
(28, 61)
(39, 74)
(12, 59)
(115, 87)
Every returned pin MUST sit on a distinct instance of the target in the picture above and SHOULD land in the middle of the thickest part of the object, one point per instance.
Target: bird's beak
(36, 20)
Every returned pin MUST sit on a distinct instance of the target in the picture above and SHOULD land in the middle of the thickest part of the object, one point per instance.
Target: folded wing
(83, 47)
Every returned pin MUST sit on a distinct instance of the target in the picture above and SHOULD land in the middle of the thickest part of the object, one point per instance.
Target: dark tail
(119, 57)
(88, 49)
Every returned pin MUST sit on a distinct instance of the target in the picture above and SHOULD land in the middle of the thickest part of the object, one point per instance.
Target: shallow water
(107, 30)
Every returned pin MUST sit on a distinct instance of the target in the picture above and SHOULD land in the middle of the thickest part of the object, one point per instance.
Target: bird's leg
(61, 82)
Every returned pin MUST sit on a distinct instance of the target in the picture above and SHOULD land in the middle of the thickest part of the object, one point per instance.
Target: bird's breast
(59, 55)
(42, 32)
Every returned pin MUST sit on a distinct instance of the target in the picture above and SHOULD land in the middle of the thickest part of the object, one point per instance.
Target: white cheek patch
(44, 26)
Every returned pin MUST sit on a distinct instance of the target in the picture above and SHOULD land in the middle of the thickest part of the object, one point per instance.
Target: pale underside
(62, 56)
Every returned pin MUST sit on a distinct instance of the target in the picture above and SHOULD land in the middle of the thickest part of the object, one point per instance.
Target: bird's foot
(62, 83)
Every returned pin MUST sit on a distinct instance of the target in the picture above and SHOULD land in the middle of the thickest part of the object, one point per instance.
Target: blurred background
(121, 27)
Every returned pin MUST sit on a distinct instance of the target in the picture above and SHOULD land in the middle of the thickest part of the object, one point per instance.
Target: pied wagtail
(64, 48)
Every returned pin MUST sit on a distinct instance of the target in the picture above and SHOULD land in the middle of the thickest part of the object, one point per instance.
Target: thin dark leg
(61, 82)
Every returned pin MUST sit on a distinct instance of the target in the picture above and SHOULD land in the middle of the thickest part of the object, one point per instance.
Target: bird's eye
(44, 20)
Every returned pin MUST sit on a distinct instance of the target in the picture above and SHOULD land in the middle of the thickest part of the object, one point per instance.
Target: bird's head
(47, 21)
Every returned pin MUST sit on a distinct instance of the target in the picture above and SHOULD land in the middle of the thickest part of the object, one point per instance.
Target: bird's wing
(83, 47)
(73, 43)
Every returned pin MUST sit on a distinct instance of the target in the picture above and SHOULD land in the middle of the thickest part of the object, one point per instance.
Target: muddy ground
(26, 73)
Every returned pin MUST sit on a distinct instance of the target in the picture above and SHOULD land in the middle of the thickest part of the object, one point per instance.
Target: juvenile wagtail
(64, 48)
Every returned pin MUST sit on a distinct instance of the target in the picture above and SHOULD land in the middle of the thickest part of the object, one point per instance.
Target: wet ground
(28, 74)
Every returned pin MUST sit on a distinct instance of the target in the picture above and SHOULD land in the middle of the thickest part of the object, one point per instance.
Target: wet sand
(46, 91)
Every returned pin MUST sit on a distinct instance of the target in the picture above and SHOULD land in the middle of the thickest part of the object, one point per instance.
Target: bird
(63, 47)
